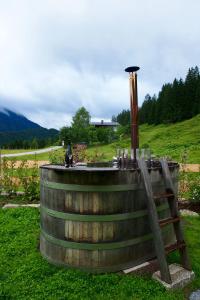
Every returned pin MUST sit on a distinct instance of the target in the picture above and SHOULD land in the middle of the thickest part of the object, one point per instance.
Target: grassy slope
(25, 275)
(164, 140)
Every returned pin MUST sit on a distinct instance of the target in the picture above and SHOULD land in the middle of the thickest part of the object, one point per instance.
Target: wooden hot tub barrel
(95, 219)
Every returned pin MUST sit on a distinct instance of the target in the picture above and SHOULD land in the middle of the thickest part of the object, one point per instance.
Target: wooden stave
(90, 265)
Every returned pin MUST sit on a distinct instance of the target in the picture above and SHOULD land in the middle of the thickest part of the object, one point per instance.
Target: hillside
(14, 127)
(7, 137)
(11, 121)
(164, 140)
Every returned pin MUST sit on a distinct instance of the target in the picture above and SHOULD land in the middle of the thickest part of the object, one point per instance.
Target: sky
(59, 55)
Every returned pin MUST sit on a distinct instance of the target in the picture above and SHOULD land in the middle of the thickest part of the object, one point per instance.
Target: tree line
(31, 138)
(82, 131)
(177, 101)
(34, 143)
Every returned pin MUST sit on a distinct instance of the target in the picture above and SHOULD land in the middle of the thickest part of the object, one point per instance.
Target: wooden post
(134, 108)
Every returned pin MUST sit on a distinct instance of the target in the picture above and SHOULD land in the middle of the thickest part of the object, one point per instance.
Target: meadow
(172, 140)
(24, 274)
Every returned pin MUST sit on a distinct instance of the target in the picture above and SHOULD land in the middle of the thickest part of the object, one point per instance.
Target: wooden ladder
(156, 224)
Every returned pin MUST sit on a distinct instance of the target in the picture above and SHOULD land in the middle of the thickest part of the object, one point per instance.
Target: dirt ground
(190, 167)
(32, 163)
(184, 204)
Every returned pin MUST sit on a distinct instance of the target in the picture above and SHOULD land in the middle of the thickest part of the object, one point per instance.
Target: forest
(177, 101)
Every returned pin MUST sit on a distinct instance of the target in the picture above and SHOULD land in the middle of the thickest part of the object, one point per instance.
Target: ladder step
(163, 195)
(169, 193)
(167, 221)
(175, 246)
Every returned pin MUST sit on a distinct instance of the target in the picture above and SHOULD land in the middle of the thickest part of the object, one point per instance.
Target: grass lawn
(24, 274)
(164, 140)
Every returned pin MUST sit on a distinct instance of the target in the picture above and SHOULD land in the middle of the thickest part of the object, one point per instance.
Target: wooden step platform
(180, 277)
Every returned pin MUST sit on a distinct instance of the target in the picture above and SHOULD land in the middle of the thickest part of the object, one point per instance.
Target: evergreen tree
(176, 102)
(123, 118)
(196, 108)
(144, 110)
(191, 84)
(34, 144)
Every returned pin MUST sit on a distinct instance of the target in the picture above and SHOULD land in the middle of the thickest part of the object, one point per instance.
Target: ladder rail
(169, 187)
(175, 213)
(154, 223)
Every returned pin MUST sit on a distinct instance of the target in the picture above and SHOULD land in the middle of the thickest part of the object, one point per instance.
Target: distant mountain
(16, 127)
(11, 121)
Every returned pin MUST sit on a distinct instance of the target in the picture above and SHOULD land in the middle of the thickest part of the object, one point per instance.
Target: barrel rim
(62, 168)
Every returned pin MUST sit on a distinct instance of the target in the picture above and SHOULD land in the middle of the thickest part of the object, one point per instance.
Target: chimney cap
(132, 69)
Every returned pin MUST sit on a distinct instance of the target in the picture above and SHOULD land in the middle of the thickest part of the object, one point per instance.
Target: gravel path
(32, 152)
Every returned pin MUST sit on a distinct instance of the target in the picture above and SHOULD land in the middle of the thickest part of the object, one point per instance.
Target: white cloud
(59, 55)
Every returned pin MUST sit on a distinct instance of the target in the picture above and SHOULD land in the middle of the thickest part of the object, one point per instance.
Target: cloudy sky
(58, 55)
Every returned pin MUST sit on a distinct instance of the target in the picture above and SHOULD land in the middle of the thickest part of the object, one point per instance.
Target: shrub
(9, 181)
(56, 158)
(79, 153)
(194, 190)
(96, 156)
(19, 177)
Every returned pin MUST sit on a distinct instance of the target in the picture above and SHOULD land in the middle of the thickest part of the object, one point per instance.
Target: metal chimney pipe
(134, 108)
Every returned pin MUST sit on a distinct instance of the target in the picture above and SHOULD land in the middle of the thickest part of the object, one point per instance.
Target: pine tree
(175, 102)
(191, 84)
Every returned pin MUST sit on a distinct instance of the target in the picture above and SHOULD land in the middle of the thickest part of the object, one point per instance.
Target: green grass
(24, 274)
(40, 156)
(164, 140)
